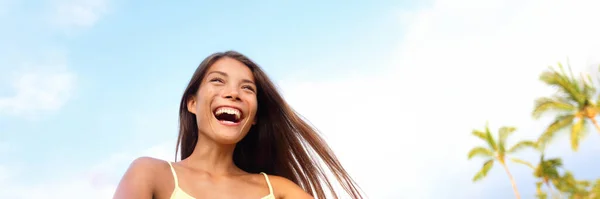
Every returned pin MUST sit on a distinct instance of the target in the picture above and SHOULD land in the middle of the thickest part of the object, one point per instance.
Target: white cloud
(98, 182)
(79, 13)
(38, 90)
(406, 133)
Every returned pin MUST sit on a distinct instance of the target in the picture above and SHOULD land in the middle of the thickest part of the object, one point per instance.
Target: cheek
(206, 94)
(252, 104)
(254, 108)
(204, 97)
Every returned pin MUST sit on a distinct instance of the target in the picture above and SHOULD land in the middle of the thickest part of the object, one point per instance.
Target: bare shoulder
(146, 167)
(138, 181)
(286, 189)
(147, 162)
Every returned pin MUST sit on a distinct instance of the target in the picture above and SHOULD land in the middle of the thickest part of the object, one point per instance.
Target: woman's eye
(248, 88)
(216, 79)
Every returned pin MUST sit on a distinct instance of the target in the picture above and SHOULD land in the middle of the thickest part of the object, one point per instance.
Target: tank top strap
(174, 174)
(268, 182)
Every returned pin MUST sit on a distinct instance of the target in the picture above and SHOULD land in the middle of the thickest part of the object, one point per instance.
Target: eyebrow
(225, 74)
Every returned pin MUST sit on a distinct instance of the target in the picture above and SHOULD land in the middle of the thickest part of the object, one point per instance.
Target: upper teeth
(228, 110)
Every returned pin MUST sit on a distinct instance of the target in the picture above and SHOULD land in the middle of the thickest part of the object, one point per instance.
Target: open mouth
(228, 115)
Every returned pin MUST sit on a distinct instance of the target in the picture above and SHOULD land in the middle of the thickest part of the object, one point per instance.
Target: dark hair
(280, 143)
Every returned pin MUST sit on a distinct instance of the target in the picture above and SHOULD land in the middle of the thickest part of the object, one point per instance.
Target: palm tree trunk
(512, 180)
(551, 190)
(595, 124)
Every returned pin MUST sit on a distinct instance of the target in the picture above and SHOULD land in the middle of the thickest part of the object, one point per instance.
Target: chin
(227, 132)
(228, 136)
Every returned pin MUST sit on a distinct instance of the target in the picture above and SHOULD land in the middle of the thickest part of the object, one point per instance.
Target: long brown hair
(281, 143)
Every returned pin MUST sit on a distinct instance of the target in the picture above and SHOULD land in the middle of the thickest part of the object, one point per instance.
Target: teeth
(231, 111)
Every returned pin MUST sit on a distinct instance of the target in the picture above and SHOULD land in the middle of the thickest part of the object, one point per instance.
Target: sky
(395, 87)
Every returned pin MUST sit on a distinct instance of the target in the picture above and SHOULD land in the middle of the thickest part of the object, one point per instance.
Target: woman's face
(225, 104)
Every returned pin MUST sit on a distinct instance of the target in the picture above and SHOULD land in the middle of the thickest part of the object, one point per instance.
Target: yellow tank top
(178, 193)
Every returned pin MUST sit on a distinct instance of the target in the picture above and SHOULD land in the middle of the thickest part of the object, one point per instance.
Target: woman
(238, 139)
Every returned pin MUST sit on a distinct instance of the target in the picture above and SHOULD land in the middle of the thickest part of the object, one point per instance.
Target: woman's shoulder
(147, 165)
(147, 168)
(140, 178)
(146, 161)
(285, 188)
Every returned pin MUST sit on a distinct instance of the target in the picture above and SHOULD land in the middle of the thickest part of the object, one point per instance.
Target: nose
(231, 93)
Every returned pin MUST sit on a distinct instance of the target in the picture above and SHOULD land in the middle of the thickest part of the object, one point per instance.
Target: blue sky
(88, 85)
(138, 58)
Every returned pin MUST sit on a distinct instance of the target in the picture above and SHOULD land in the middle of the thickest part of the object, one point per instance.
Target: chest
(198, 187)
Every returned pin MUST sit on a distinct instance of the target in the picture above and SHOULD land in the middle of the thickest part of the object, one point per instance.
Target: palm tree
(576, 189)
(572, 104)
(539, 194)
(496, 151)
(546, 171)
(595, 192)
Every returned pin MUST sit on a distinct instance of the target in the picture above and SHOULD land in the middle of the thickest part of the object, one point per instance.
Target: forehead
(233, 68)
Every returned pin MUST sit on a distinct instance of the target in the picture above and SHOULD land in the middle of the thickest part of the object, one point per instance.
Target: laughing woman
(238, 138)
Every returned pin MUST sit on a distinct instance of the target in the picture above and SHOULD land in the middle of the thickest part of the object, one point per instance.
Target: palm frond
(480, 151)
(569, 77)
(588, 88)
(480, 134)
(595, 191)
(538, 191)
(556, 104)
(549, 168)
(573, 187)
(503, 134)
(484, 170)
(523, 162)
(577, 133)
(489, 138)
(584, 183)
(554, 162)
(559, 123)
(564, 83)
(522, 145)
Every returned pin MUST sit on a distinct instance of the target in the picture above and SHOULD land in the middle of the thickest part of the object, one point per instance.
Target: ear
(191, 105)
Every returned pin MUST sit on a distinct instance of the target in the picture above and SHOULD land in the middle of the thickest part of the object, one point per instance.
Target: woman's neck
(213, 157)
